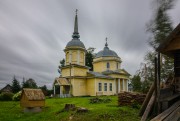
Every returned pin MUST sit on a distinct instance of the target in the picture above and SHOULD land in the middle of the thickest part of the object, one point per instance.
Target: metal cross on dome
(106, 42)
(76, 11)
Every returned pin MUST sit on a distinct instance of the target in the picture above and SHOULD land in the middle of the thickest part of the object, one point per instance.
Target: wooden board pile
(129, 98)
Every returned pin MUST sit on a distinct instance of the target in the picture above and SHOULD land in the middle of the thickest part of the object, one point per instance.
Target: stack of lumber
(129, 98)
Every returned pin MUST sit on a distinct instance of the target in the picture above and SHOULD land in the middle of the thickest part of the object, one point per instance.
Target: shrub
(6, 96)
(135, 105)
(95, 100)
(100, 100)
(17, 96)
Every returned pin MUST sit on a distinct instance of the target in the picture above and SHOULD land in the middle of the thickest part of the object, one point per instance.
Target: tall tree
(136, 83)
(159, 28)
(30, 83)
(62, 64)
(89, 58)
(44, 89)
(15, 85)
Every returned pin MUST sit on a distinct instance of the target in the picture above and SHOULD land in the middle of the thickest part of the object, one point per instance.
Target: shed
(171, 48)
(7, 88)
(31, 98)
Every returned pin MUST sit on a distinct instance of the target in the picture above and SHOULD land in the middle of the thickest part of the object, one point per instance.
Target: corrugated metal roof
(75, 42)
(33, 94)
(100, 75)
(118, 71)
(106, 52)
(62, 81)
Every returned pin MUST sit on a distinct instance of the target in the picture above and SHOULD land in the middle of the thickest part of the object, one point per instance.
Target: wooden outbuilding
(171, 48)
(32, 98)
(7, 88)
(165, 101)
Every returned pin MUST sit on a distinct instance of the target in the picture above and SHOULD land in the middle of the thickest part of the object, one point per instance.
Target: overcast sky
(33, 33)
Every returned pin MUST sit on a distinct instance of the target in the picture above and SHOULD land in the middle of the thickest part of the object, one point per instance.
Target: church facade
(107, 78)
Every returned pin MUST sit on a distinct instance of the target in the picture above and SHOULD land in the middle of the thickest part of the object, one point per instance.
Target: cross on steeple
(106, 42)
(76, 11)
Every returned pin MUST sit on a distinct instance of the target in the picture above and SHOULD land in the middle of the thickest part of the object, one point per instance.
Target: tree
(159, 28)
(30, 83)
(136, 83)
(15, 85)
(89, 58)
(62, 64)
(44, 89)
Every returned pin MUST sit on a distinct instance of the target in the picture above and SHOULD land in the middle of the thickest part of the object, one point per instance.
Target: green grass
(11, 111)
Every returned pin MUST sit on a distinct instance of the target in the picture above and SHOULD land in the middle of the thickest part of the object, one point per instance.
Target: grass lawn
(11, 111)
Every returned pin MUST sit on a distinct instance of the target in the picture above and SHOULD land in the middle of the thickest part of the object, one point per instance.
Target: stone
(82, 110)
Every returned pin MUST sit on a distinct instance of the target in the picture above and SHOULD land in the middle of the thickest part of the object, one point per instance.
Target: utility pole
(70, 81)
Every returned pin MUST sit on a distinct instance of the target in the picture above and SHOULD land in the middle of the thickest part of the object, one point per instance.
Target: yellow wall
(91, 87)
(100, 64)
(65, 72)
(98, 67)
(119, 76)
(102, 81)
(80, 71)
(79, 87)
(75, 56)
(75, 71)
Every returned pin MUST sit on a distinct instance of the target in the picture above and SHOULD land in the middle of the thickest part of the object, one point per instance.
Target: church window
(117, 65)
(100, 86)
(108, 65)
(67, 57)
(105, 86)
(110, 86)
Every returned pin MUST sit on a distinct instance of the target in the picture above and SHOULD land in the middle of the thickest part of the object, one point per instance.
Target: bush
(6, 96)
(17, 96)
(100, 100)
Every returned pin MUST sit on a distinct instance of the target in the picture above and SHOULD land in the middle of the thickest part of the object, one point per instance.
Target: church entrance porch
(61, 88)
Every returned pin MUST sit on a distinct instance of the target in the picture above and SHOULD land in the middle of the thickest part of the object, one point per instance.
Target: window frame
(99, 87)
(108, 65)
(105, 87)
(110, 86)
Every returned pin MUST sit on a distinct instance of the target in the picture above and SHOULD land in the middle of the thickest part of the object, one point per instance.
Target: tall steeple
(76, 33)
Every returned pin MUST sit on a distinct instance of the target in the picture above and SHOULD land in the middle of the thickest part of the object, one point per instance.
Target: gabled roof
(7, 88)
(33, 94)
(173, 35)
(61, 81)
(98, 75)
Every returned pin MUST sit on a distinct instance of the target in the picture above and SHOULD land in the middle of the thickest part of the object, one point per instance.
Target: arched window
(108, 65)
(117, 65)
